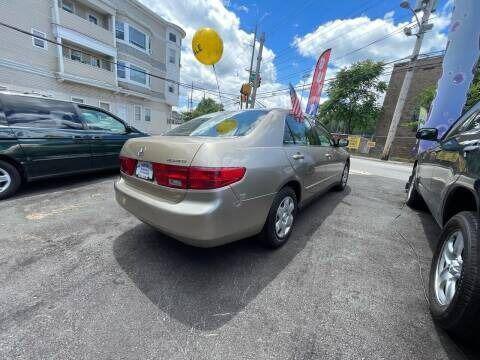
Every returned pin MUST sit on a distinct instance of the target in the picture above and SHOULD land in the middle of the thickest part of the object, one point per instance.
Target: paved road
(81, 278)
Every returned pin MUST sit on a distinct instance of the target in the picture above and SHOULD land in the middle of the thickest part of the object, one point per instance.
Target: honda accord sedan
(230, 175)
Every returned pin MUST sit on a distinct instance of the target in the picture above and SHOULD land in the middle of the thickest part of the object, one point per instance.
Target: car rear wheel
(280, 220)
(343, 181)
(454, 277)
(10, 180)
(414, 199)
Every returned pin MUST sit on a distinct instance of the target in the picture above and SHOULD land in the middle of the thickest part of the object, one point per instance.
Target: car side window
(99, 120)
(287, 135)
(23, 111)
(302, 133)
(469, 123)
(324, 136)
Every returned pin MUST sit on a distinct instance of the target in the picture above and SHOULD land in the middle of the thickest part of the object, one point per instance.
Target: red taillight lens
(171, 175)
(214, 178)
(198, 178)
(127, 165)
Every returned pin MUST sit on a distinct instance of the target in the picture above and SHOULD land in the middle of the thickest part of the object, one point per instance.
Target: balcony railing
(86, 27)
(88, 72)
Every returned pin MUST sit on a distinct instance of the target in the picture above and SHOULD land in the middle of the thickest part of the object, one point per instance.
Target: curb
(405, 163)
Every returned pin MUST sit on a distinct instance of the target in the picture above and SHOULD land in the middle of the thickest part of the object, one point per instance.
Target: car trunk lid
(172, 150)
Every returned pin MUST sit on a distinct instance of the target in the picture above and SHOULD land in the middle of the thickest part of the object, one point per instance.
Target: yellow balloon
(207, 46)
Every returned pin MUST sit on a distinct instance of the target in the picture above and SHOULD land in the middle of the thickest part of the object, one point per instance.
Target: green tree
(353, 98)
(205, 106)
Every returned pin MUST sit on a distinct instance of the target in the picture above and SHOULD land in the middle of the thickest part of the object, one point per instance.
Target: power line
(211, 91)
(284, 91)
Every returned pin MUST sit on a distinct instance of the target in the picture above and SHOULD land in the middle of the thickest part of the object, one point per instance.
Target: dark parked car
(41, 137)
(447, 178)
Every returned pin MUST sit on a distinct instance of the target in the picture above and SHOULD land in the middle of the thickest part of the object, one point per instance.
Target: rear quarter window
(22, 111)
(224, 124)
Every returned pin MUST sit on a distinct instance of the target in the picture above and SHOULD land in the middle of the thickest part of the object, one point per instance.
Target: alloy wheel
(449, 268)
(284, 217)
(5, 180)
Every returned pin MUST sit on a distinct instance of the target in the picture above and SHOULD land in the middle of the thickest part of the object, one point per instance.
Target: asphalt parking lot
(81, 278)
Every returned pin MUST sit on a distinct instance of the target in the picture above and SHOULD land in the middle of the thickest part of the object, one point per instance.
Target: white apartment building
(113, 54)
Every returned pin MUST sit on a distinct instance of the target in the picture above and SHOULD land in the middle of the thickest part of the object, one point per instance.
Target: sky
(296, 33)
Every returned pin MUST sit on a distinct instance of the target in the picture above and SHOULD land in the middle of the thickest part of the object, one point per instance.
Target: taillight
(171, 175)
(198, 178)
(127, 165)
(214, 178)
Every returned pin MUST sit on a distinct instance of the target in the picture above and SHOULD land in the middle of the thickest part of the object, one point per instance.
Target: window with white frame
(171, 89)
(147, 114)
(120, 30)
(38, 39)
(171, 56)
(77, 100)
(132, 73)
(67, 5)
(93, 19)
(172, 37)
(137, 112)
(132, 36)
(104, 105)
(121, 70)
(138, 75)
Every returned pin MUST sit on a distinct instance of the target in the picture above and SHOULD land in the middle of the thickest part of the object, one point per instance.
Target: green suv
(42, 137)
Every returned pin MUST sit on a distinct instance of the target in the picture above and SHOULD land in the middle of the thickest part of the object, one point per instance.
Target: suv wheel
(414, 199)
(343, 181)
(10, 180)
(454, 276)
(281, 217)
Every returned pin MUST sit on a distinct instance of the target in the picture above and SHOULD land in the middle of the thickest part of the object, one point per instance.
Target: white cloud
(241, 8)
(194, 14)
(344, 36)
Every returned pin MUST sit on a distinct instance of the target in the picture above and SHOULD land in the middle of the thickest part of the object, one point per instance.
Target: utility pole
(257, 71)
(190, 103)
(407, 81)
(251, 60)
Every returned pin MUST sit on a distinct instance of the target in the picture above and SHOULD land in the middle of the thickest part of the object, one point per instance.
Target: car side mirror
(342, 142)
(427, 134)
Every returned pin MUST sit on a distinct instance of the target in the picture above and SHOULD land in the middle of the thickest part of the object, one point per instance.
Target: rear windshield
(222, 124)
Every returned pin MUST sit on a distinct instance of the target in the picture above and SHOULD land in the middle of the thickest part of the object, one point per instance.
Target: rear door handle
(96, 137)
(297, 156)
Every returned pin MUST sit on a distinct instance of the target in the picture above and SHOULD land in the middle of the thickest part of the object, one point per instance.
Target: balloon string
(218, 86)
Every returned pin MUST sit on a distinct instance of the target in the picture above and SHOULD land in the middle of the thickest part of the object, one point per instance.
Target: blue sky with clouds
(296, 33)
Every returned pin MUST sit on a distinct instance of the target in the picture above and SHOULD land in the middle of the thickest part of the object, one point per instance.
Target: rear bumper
(210, 219)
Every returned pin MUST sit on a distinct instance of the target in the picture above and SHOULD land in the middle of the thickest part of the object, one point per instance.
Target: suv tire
(10, 180)
(343, 181)
(461, 314)
(281, 218)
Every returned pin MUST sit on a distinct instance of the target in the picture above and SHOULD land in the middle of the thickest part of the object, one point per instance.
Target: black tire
(414, 200)
(15, 180)
(343, 182)
(461, 316)
(269, 235)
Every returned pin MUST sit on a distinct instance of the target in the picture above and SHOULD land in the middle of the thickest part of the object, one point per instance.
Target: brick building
(427, 72)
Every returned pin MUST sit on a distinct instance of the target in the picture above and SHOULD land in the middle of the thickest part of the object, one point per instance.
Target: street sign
(353, 142)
